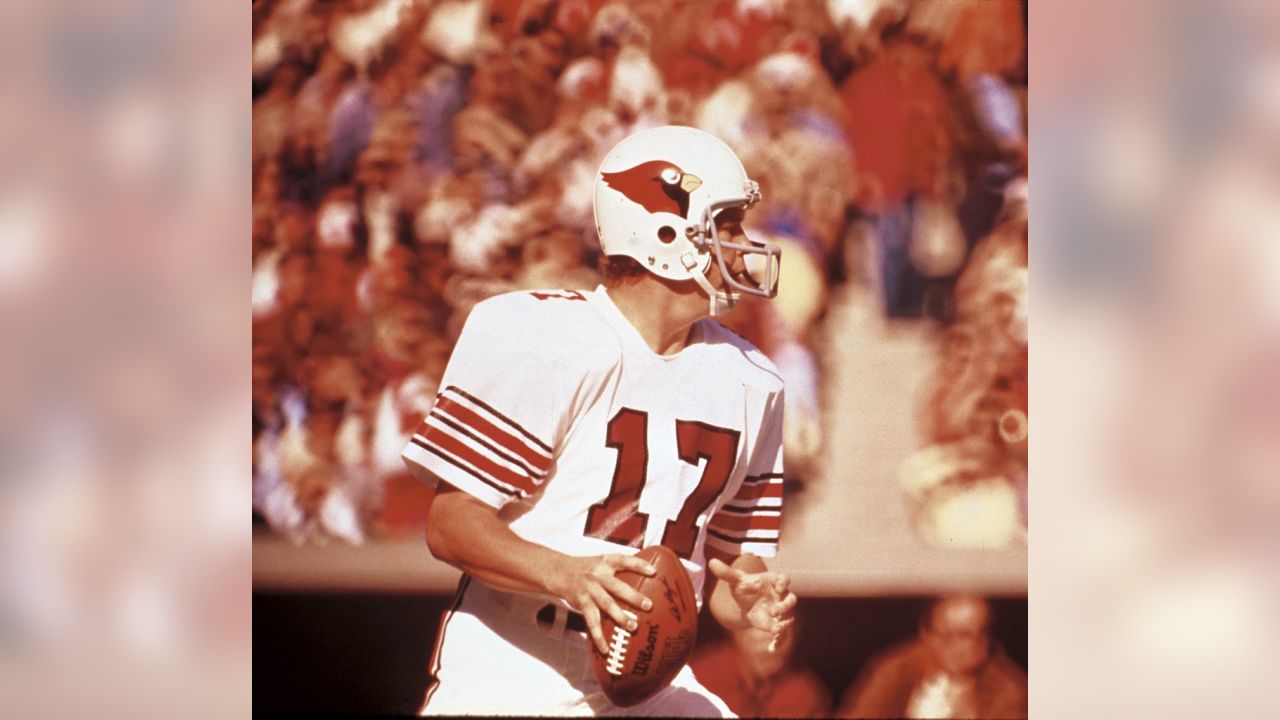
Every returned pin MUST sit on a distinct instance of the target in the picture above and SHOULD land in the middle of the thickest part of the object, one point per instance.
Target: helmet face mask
(657, 196)
(760, 260)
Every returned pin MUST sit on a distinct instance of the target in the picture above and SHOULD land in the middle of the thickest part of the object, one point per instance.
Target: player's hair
(620, 268)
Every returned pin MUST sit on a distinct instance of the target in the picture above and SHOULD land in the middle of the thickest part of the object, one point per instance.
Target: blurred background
(412, 158)
(1156, 505)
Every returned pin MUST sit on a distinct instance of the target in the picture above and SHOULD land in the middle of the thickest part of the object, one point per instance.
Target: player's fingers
(722, 571)
(775, 641)
(780, 630)
(628, 594)
(781, 584)
(632, 563)
(611, 608)
(786, 606)
(754, 583)
(592, 615)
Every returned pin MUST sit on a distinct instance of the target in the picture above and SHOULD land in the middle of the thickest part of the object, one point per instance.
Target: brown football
(641, 663)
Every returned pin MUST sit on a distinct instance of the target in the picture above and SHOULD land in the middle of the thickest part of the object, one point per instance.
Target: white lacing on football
(617, 651)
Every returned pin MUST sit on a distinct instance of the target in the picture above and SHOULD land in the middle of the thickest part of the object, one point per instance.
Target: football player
(574, 427)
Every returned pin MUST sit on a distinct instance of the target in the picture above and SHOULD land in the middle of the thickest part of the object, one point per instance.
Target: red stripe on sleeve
(482, 463)
(740, 523)
(755, 491)
(537, 461)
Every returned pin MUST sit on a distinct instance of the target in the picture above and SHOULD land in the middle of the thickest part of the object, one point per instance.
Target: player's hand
(765, 598)
(589, 585)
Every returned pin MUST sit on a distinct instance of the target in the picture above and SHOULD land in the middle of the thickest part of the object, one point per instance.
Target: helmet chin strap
(718, 302)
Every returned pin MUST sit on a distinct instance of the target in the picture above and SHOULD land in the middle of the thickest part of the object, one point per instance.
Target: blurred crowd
(413, 157)
(951, 667)
(968, 484)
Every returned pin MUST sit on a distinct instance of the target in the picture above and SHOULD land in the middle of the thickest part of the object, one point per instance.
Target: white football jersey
(554, 410)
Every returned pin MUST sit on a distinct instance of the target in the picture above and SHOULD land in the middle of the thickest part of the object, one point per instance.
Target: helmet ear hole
(667, 234)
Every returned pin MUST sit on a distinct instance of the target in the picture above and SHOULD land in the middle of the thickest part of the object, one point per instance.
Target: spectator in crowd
(952, 669)
(755, 682)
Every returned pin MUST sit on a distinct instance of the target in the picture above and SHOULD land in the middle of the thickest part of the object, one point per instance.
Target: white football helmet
(656, 197)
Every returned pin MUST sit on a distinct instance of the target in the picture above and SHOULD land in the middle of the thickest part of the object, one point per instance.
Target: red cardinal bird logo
(657, 186)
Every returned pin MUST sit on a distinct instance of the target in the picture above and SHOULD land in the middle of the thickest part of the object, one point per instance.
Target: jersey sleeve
(751, 521)
(498, 417)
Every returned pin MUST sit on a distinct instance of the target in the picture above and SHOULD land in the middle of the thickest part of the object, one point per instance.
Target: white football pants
(493, 658)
